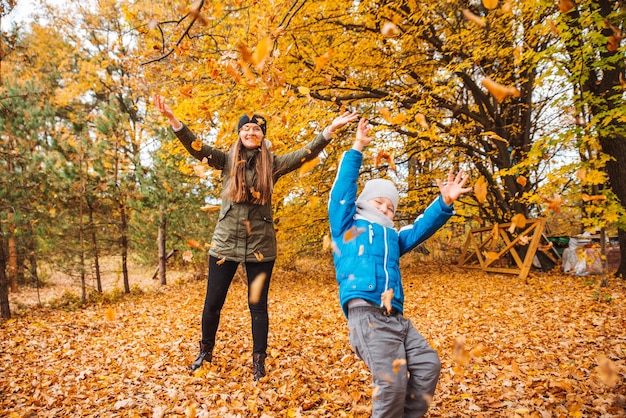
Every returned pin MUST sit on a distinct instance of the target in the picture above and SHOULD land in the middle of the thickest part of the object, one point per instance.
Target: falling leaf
(384, 156)
(397, 363)
(565, 5)
(490, 4)
(386, 114)
(255, 194)
(326, 243)
(221, 261)
(200, 170)
(554, 202)
(322, 60)
(256, 288)
(607, 371)
(109, 314)
(389, 30)
(352, 233)
(480, 190)
(459, 354)
(421, 120)
(192, 243)
(246, 223)
(259, 256)
(308, 166)
(517, 221)
(196, 145)
(186, 91)
(587, 198)
(480, 21)
(491, 255)
(210, 208)
(361, 250)
(262, 51)
(187, 256)
(386, 297)
(521, 180)
(507, 7)
(499, 91)
(523, 240)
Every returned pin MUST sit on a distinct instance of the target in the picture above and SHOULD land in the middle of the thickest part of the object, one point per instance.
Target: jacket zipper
(385, 263)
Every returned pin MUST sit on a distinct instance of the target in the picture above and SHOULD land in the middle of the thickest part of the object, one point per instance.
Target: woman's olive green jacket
(245, 231)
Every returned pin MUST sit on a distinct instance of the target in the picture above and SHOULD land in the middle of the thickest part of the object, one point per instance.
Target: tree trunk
(96, 250)
(124, 245)
(5, 311)
(12, 246)
(162, 248)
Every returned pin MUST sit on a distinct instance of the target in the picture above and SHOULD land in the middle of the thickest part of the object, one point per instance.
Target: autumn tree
(590, 36)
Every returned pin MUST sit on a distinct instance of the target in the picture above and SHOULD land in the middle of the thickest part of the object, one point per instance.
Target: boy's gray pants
(405, 369)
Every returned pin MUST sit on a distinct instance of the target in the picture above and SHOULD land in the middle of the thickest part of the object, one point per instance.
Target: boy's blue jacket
(367, 255)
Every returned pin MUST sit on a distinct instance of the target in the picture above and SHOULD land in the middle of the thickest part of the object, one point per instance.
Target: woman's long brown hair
(259, 193)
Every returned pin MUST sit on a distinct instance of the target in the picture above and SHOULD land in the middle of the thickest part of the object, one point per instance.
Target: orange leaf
(193, 243)
(262, 51)
(389, 30)
(246, 223)
(521, 180)
(254, 193)
(221, 261)
(491, 255)
(554, 202)
(197, 145)
(490, 4)
(186, 91)
(518, 221)
(587, 198)
(321, 61)
(386, 297)
(258, 256)
(352, 233)
(386, 114)
(480, 21)
(459, 354)
(565, 6)
(384, 156)
(188, 256)
(499, 91)
(397, 363)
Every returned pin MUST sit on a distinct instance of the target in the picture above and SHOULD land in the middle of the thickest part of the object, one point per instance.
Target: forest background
(527, 97)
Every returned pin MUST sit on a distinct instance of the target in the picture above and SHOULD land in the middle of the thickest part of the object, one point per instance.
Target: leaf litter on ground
(549, 346)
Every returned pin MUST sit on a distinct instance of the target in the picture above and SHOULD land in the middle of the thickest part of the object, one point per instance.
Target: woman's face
(251, 135)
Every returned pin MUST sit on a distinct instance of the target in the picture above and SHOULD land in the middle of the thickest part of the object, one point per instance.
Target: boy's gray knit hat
(380, 188)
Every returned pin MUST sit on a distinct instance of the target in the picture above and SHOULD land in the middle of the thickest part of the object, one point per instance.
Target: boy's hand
(451, 190)
(362, 135)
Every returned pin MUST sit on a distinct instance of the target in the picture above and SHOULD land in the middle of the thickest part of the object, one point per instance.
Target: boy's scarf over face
(373, 189)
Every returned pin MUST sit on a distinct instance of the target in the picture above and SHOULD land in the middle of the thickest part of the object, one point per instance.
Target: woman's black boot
(205, 355)
(258, 363)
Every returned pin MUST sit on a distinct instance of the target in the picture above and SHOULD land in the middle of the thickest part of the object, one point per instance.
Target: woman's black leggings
(220, 277)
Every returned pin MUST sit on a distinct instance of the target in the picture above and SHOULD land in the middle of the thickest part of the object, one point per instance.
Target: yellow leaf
(305, 91)
(327, 243)
(186, 91)
(308, 166)
(109, 314)
(480, 189)
(210, 208)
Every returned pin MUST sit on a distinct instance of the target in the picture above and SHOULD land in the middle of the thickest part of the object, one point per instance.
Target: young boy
(367, 250)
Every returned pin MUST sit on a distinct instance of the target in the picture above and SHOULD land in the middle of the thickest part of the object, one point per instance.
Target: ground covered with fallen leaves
(548, 346)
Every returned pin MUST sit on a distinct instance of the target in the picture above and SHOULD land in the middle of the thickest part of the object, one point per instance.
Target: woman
(244, 232)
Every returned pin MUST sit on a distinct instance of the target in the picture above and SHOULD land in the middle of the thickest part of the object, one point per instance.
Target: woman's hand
(159, 103)
(340, 121)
